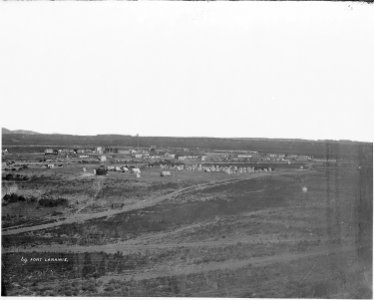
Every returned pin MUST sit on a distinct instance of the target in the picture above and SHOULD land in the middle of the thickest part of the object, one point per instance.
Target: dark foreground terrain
(290, 233)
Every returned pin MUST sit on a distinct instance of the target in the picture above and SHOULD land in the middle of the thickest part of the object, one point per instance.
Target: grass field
(290, 233)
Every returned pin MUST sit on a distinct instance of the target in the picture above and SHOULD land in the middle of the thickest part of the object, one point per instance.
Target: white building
(169, 155)
(99, 150)
(165, 173)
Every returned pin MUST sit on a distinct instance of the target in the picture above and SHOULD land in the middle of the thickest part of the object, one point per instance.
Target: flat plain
(292, 232)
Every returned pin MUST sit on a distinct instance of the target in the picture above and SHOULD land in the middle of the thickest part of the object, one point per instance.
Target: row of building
(228, 169)
(154, 154)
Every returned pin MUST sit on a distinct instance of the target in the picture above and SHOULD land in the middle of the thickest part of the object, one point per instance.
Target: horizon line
(201, 137)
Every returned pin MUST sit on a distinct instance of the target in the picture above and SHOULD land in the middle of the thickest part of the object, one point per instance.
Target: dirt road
(185, 269)
(148, 202)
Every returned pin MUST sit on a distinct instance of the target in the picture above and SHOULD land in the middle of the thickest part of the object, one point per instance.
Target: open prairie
(293, 232)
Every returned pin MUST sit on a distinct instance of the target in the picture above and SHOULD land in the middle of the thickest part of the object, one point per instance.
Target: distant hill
(320, 148)
(19, 131)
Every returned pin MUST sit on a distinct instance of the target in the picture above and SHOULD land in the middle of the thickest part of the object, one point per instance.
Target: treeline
(15, 177)
(45, 201)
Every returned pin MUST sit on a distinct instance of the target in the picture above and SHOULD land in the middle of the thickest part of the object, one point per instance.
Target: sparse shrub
(112, 281)
(50, 202)
(32, 199)
(16, 177)
(57, 213)
(52, 293)
(44, 288)
(109, 288)
(89, 286)
(101, 171)
(11, 198)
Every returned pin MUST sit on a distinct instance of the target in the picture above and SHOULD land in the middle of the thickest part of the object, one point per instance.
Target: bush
(50, 202)
(16, 177)
(11, 198)
(109, 289)
(21, 198)
(57, 213)
(101, 171)
(89, 287)
(32, 199)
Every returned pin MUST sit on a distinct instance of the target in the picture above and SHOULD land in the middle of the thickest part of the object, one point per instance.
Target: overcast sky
(222, 69)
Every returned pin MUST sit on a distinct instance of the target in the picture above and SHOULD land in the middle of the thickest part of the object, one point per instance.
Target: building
(67, 151)
(101, 171)
(124, 151)
(165, 173)
(99, 150)
(155, 157)
(188, 157)
(245, 156)
(136, 170)
(169, 155)
(303, 158)
(83, 151)
(215, 156)
(50, 152)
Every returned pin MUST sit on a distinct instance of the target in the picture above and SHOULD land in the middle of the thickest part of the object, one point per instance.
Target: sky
(219, 69)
